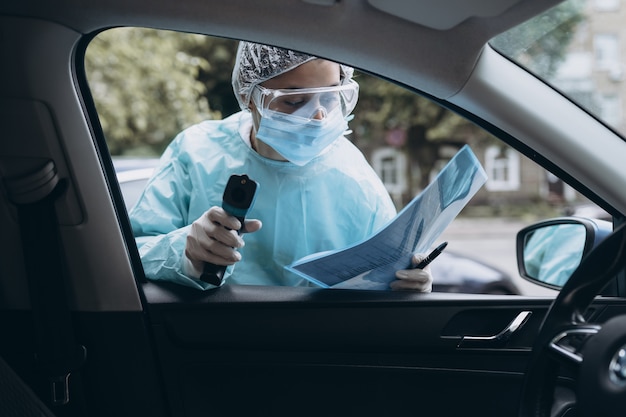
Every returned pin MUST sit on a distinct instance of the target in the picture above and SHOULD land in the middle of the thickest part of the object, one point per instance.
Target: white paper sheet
(372, 263)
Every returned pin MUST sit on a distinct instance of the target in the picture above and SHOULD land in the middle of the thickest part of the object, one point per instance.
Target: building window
(388, 170)
(607, 5)
(503, 169)
(606, 49)
(390, 165)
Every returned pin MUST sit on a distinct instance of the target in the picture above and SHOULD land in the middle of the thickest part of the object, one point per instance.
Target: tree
(427, 126)
(146, 86)
(541, 44)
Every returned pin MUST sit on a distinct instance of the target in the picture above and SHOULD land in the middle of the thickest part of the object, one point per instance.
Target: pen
(431, 256)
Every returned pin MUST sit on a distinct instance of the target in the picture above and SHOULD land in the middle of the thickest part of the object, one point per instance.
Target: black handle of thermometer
(238, 198)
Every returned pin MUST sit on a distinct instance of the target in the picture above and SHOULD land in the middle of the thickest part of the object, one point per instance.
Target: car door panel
(119, 377)
(253, 350)
(283, 351)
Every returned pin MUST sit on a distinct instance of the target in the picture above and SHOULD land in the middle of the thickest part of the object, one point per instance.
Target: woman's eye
(295, 101)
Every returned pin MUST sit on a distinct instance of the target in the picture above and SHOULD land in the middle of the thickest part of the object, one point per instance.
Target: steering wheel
(596, 351)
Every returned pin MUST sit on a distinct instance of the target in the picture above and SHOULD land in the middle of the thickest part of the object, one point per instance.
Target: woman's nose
(319, 114)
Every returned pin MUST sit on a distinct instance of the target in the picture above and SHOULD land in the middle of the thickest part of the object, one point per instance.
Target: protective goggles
(306, 103)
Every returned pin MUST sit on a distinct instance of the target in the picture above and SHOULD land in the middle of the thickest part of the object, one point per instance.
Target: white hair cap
(257, 63)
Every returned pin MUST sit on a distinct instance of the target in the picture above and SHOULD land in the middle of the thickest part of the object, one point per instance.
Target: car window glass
(148, 85)
(577, 47)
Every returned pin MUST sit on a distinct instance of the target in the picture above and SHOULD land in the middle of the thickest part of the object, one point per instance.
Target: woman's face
(315, 73)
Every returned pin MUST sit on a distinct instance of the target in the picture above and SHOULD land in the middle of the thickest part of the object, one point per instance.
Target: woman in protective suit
(316, 190)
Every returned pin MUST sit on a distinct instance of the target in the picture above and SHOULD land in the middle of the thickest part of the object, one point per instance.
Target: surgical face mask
(299, 124)
(301, 142)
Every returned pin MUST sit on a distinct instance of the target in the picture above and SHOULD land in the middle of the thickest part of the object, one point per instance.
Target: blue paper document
(372, 263)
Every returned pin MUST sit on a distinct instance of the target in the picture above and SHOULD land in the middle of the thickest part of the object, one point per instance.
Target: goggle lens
(307, 103)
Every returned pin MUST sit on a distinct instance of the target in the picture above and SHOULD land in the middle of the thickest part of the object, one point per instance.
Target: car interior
(86, 333)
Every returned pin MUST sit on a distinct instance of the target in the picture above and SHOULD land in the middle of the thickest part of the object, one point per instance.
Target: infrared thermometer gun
(238, 198)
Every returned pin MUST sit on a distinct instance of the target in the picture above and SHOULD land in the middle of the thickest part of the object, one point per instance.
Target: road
(491, 241)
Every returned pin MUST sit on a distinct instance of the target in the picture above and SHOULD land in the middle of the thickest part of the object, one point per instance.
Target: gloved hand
(414, 279)
(213, 238)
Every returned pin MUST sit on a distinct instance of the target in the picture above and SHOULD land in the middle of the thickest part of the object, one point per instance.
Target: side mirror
(548, 252)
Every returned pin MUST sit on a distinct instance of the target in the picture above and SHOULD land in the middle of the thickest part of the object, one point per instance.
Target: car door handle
(497, 340)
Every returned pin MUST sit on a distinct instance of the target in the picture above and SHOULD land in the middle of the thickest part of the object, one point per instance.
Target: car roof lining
(443, 14)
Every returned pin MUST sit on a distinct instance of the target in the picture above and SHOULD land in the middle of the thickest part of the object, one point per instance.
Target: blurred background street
(491, 241)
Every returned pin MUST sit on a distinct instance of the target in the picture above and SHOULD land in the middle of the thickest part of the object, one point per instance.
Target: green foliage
(541, 43)
(145, 86)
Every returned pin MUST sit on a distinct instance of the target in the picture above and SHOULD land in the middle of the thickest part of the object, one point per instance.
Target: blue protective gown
(333, 201)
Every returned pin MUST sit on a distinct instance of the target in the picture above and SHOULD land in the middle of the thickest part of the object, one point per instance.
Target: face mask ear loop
(348, 119)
